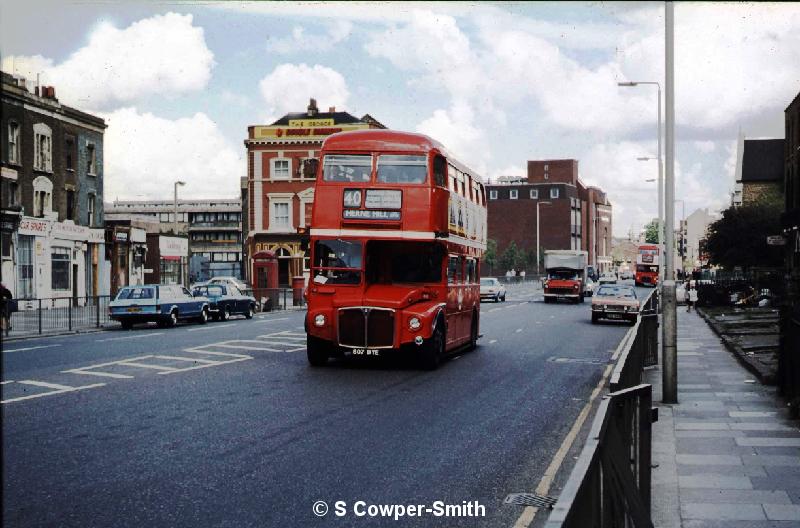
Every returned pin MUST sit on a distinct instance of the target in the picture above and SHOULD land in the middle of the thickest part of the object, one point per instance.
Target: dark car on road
(226, 300)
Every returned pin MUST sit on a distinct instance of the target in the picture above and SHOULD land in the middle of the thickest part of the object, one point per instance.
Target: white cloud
(290, 86)
(162, 55)
(299, 41)
(145, 154)
(705, 146)
(456, 130)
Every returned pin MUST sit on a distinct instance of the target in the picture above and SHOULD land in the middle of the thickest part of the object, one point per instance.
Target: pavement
(728, 454)
(226, 424)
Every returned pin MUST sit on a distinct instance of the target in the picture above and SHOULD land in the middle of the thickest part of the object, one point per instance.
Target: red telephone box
(265, 279)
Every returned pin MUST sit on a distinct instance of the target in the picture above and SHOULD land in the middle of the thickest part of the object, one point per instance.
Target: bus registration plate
(366, 352)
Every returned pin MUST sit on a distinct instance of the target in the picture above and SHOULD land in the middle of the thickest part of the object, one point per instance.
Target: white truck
(566, 275)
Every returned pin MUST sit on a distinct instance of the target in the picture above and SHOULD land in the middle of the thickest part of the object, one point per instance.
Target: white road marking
(192, 360)
(62, 390)
(31, 348)
(138, 336)
(276, 319)
(247, 347)
(518, 330)
(145, 365)
(101, 374)
(5, 382)
(493, 341)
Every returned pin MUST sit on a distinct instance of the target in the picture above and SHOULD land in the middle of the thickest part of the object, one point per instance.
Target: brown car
(616, 302)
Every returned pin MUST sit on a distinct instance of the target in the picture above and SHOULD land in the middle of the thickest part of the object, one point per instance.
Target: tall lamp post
(175, 203)
(538, 244)
(660, 174)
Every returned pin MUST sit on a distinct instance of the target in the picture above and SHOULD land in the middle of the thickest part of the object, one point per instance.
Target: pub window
(59, 266)
(280, 169)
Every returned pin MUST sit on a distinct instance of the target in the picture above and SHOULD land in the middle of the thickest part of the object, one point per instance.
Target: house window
(280, 169)
(25, 266)
(13, 142)
(43, 147)
(534, 194)
(513, 194)
(59, 265)
(90, 204)
(91, 159)
(42, 196)
(554, 192)
(9, 193)
(71, 205)
(493, 195)
(69, 146)
(281, 215)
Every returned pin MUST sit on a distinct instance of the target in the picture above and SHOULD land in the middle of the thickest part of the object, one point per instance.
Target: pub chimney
(312, 108)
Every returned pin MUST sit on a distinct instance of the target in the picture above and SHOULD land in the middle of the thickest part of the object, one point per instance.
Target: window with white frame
(90, 206)
(13, 142)
(280, 212)
(42, 196)
(534, 194)
(493, 195)
(42, 147)
(60, 260)
(513, 194)
(91, 159)
(280, 169)
(554, 192)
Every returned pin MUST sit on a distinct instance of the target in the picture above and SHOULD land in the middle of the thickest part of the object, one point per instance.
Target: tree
(739, 237)
(490, 255)
(510, 257)
(651, 232)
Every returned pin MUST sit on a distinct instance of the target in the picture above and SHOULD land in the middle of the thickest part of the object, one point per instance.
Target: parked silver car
(491, 288)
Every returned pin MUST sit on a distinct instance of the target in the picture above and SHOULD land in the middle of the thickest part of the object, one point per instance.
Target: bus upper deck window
(355, 168)
(402, 169)
(439, 170)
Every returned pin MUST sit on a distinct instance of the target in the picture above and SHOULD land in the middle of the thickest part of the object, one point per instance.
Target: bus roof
(381, 140)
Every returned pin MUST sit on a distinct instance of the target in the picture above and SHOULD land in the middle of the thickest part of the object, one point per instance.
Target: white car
(607, 278)
(491, 288)
(229, 281)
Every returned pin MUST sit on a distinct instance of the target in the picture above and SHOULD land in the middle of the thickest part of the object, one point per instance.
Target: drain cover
(530, 499)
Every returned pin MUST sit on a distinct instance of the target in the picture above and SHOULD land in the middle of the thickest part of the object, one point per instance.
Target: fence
(270, 299)
(789, 356)
(59, 314)
(726, 289)
(610, 483)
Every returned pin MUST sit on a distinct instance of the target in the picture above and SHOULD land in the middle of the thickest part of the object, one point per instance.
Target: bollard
(669, 337)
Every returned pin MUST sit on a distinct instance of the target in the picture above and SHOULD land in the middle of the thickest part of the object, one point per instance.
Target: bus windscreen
(393, 262)
(356, 168)
(402, 169)
(337, 261)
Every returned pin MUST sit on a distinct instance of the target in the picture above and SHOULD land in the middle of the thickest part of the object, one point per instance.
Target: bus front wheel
(431, 353)
(317, 350)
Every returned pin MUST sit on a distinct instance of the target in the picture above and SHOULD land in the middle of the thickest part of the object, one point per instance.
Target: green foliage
(490, 255)
(510, 257)
(651, 232)
(739, 237)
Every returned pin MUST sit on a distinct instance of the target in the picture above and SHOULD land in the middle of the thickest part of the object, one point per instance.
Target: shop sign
(33, 227)
(173, 246)
(96, 236)
(70, 231)
(138, 235)
(121, 236)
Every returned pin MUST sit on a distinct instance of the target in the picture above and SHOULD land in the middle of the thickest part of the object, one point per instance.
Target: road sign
(776, 240)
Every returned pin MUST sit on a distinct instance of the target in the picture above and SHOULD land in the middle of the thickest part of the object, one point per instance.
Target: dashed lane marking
(57, 389)
(493, 341)
(138, 336)
(31, 348)
(518, 330)
(212, 327)
(4, 382)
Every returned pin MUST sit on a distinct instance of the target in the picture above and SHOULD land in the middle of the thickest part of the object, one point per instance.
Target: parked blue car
(226, 300)
(160, 303)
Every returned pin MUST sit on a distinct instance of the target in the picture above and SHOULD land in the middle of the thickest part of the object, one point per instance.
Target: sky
(178, 83)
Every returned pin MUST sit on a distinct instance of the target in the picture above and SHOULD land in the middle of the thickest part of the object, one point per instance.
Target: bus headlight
(319, 320)
(414, 323)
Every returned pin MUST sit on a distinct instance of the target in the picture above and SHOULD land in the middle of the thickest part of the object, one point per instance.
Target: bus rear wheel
(317, 351)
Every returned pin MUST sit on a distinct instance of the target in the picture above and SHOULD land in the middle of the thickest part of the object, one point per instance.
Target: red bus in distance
(398, 227)
(648, 259)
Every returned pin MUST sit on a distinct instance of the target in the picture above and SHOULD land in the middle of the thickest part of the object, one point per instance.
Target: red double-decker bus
(648, 259)
(397, 230)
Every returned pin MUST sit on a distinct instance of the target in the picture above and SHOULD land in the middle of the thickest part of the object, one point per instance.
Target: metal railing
(610, 483)
(270, 299)
(789, 357)
(59, 314)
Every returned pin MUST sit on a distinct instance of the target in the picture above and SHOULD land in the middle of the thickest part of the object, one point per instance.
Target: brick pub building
(575, 217)
(277, 197)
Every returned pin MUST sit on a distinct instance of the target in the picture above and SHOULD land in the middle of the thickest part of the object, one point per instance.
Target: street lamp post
(660, 175)
(538, 244)
(175, 203)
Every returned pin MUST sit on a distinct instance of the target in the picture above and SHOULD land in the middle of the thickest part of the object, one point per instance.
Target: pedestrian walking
(5, 308)
(692, 298)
